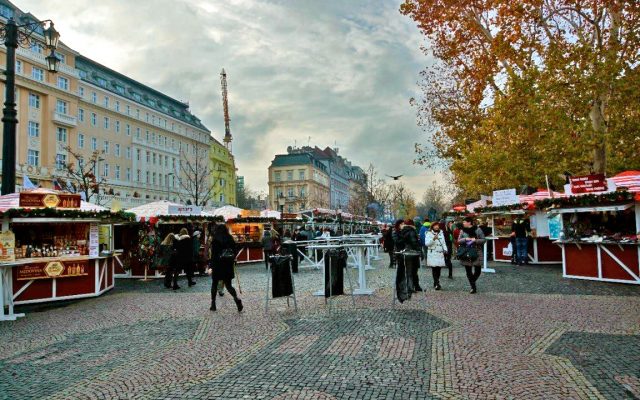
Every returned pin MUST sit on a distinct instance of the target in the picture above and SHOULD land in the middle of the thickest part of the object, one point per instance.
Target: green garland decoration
(510, 207)
(587, 200)
(70, 213)
(189, 218)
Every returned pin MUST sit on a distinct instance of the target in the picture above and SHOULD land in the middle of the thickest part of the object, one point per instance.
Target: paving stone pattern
(527, 334)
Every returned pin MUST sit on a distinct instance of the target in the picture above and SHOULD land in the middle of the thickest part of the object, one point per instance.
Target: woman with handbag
(436, 246)
(223, 257)
(470, 244)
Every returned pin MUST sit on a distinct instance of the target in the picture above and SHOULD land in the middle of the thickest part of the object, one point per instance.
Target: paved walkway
(527, 334)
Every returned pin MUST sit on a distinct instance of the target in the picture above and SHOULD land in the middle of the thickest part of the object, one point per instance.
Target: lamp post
(13, 37)
(170, 174)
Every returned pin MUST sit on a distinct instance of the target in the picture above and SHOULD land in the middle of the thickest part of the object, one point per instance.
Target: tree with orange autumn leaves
(528, 88)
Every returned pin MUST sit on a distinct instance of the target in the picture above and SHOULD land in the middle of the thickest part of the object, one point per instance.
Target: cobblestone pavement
(528, 334)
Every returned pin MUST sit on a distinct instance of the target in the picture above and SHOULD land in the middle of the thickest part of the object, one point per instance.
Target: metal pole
(9, 112)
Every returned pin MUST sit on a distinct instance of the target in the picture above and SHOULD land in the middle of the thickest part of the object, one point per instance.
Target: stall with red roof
(50, 248)
(598, 228)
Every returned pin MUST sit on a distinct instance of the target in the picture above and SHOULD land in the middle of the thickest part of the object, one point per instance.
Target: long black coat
(222, 268)
(410, 238)
(388, 241)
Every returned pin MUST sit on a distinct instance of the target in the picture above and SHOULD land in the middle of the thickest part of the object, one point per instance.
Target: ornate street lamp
(15, 35)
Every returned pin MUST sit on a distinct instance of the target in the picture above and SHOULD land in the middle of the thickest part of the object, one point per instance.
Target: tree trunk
(599, 126)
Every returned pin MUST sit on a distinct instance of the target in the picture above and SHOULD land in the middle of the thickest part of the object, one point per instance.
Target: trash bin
(335, 261)
(281, 282)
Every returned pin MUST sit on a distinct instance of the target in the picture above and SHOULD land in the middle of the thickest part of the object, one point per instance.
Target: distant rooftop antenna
(225, 107)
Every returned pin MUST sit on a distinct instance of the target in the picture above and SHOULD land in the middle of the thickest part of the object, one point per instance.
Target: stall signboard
(505, 197)
(94, 240)
(49, 200)
(184, 210)
(288, 216)
(249, 213)
(588, 183)
(7, 246)
(52, 269)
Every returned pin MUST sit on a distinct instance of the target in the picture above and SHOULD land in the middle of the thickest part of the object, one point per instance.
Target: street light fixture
(15, 35)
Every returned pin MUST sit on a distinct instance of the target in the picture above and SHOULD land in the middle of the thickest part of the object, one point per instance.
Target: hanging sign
(52, 269)
(94, 240)
(7, 246)
(49, 200)
(505, 197)
(588, 183)
(184, 210)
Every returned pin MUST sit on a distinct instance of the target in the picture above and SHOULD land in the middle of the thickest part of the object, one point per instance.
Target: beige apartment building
(143, 134)
(298, 182)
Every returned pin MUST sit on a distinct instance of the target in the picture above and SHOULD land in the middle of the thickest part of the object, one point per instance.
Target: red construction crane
(225, 106)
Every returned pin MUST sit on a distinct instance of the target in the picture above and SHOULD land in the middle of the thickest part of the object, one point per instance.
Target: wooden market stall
(247, 232)
(51, 248)
(139, 241)
(598, 234)
(540, 248)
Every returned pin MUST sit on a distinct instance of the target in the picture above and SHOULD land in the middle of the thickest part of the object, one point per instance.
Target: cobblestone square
(527, 334)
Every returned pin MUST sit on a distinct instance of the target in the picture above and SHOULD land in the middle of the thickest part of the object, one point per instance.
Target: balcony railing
(64, 119)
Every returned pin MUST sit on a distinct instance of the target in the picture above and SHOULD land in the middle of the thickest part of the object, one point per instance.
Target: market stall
(139, 242)
(540, 248)
(51, 247)
(598, 233)
(247, 232)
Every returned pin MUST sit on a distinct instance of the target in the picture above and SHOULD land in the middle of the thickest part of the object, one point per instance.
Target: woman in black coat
(184, 249)
(389, 245)
(223, 257)
(411, 243)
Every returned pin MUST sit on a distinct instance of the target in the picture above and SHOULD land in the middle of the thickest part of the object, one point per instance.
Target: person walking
(184, 246)
(388, 245)
(267, 246)
(168, 261)
(519, 231)
(448, 240)
(223, 257)
(436, 248)
(211, 231)
(412, 243)
(471, 240)
(197, 258)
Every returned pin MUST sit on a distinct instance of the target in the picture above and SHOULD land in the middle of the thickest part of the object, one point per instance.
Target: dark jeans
(171, 277)
(449, 264)
(412, 264)
(435, 272)
(473, 273)
(227, 283)
(392, 260)
(188, 270)
(404, 279)
(522, 255)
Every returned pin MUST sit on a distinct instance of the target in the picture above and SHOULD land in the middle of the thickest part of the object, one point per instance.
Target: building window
(6, 11)
(127, 129)
(147, 117)
(128, 109)
(117, 172)
(302, 191)
(94, 144)
(62, 107)
(153, 138)
(166, 161)
(63, 83)
(117, 150)
(290, 208)
(106, 101)
(105, 170)
(34, 129)
(154, 158)
(128, 153)
(138, 175)
(128, 176)
(117, 126)
(276, 176)
(290, 192)
(94, 97)
(106, 147)
(34, 100)
(37, 74)
(154, 178)
(221, 198)
(137, 133)
(18, 67)
(137, 113)
(33, 157)
(80, 141)
(117, 106)
(148, 157)
(94, 119)
(61, 134)
(301, 174)
(61, 161)
(81, 91)
(37, 47)
(289, 175)
(147, 181)
(80, 114)
(147, 136)
(138, 154)
(106, 122)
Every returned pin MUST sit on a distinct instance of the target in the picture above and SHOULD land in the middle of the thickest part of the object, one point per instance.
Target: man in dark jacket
(412, 243)
(389, 246)
(520, 231)
(448, 241)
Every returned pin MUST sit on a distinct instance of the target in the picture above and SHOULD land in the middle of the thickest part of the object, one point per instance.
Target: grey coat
(479, 243)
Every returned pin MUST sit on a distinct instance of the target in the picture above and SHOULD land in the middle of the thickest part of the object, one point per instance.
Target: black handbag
(467, 253)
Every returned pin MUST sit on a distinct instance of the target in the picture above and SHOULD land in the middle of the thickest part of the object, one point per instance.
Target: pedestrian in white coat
(436, 246)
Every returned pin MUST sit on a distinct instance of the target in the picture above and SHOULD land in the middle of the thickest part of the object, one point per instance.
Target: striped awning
(629, 180)
(539, 195)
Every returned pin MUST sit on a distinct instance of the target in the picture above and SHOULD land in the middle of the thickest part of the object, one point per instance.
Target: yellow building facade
(145, 137)
(223, 175)
(298, 182)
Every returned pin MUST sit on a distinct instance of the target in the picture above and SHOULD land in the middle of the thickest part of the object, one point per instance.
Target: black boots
(437, 286)
(473, 288)
(213, 307)
(238, 304)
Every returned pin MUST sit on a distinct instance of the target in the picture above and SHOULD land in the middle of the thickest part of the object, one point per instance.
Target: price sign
(588, 183)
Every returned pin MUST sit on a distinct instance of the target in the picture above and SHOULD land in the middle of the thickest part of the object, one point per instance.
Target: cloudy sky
(299, 71)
